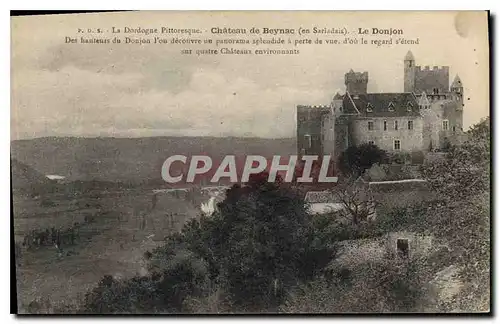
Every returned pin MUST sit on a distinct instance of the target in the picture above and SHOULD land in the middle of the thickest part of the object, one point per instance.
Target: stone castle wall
(428, 79)
(411, 140)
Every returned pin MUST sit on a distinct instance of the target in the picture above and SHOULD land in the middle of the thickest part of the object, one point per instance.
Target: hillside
(26, 179)
(133, 160)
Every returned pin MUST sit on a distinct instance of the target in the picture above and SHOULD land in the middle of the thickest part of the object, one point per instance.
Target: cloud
(72, 101)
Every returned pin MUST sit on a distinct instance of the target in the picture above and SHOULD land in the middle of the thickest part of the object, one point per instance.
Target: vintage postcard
(251, 162)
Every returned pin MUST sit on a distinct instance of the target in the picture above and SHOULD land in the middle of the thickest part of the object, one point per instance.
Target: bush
(259, 243)
(262, 242)
(159, 292)
(356, 159)
(390, 286)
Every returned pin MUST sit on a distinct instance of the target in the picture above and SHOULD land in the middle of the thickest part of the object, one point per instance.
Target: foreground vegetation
(263, 252)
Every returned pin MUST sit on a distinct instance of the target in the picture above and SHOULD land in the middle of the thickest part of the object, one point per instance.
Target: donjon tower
(430, 81)
(356, 82)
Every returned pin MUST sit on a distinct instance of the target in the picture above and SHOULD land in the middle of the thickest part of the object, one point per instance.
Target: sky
(129, 90)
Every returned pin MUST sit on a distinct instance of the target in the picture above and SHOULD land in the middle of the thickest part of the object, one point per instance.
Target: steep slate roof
(379, 104)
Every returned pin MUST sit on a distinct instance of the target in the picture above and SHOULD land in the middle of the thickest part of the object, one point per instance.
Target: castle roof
(337, 96)
(457, 83)
(409, 56)
(382, 105)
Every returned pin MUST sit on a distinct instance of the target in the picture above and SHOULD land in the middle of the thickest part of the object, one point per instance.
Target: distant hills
(126, 160)
(27, 179)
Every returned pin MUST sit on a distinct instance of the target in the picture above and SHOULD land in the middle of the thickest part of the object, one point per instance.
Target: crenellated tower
(356, 82)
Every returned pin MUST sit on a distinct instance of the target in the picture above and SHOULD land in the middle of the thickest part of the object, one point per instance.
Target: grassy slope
(114, 245)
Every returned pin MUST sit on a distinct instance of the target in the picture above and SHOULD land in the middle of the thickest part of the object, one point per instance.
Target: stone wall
(353, 253)
(328, 134)
(411, 140)
(434, 135)
(309, 120)
(432, 126)
(426, 79)
(419, 245)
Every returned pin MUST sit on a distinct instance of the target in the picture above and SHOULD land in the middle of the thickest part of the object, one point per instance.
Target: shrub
(356, 159)
(390, 286)
(159, 292)
(259, 243)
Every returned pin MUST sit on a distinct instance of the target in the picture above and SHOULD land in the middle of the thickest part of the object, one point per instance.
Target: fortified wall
(431, 80)
(309, 129)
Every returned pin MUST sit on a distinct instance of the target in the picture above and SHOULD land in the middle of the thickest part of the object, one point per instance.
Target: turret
(409, 72)
(456, 85)
(457, 89)
(356, 82)
(337, 104)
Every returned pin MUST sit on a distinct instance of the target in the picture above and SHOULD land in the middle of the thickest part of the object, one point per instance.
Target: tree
(162, 291)
(356, 159)
(357, 201)
(462, 215)
(465, 170)
(263, 242)
(260, 242)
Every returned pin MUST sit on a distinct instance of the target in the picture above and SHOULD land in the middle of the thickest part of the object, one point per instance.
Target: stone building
(425, 117)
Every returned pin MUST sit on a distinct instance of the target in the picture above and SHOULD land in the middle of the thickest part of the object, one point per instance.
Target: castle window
(445, 124)
(409, 106)
(369, 108)
(308, 141)
(395, 125)
(402, 247)
(370, 125)
(397, 145)
(410, 124)
(453, 129)
(391, 106)
(385, 125)
(371, 142)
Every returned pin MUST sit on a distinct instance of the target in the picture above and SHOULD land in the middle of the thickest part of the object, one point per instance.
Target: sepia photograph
(251, 162)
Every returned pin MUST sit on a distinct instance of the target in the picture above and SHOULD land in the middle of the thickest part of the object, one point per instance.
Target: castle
(425, 117)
